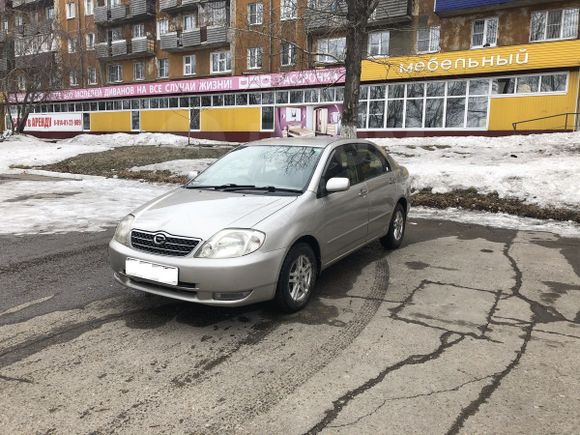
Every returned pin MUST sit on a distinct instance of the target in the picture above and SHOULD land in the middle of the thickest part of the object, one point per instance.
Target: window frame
(288, 10)
(546, 13)
(135, 78)
(430, 40)
(165, 62)
(258, 14)
(254, 60)
(388, 42)
(71, 10)
(193, 64)
(227, 59)
(484, 40)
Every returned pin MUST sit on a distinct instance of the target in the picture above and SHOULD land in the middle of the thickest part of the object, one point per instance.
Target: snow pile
(140, 139)
(543, 169)
(178, 167)
(88, 204)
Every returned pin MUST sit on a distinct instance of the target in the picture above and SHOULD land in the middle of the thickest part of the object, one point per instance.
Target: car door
(373, 168)
(344, 215)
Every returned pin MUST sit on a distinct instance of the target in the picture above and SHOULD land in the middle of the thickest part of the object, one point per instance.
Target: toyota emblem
(159, 239)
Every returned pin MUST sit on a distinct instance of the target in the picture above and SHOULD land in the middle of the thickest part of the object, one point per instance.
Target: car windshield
(263, 167)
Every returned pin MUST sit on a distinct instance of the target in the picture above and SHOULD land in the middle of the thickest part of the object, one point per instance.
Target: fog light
(231, 296)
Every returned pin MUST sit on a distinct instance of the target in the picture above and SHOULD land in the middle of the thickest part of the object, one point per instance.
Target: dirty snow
(543, 169)
(178, 167)
(141, 139)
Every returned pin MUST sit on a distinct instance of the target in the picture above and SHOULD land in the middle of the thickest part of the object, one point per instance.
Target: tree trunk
(355, 40)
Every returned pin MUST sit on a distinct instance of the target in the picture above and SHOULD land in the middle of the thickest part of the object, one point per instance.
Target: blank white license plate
(151, 271)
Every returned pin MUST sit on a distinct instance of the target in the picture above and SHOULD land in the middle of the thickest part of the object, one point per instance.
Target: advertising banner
(54, 122)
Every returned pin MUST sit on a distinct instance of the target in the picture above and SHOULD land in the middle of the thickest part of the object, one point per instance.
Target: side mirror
(191, 175)
(337, 184)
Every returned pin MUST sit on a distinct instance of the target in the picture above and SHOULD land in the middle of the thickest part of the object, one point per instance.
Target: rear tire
(297, 279)
(394, 237)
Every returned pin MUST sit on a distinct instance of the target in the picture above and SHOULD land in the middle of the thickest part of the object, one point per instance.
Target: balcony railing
(125, 49)
(202, 37)
(134, 10)
(177, 5)
(3, 65)
(22, 3)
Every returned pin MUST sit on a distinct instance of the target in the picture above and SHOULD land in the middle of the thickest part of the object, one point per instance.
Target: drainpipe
(82, 51)
(270, 36)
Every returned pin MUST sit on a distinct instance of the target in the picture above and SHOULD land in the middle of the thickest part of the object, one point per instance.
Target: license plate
(151, 271)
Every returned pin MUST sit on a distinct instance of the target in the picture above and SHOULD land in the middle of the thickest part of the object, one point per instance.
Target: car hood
(202, 213)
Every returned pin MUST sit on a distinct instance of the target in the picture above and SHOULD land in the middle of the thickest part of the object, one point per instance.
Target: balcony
(31, 29)
(173, 6)
(3, 65)
(198, 38)
(326, 14)
(24, 3)
(36, 60)
(125, 49)
(2, 37)
(135, 10)
(449, 8)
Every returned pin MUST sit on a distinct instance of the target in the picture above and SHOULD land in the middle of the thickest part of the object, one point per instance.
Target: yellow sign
(561, 54)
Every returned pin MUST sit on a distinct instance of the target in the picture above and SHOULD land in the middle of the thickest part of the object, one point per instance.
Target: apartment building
(245, 69)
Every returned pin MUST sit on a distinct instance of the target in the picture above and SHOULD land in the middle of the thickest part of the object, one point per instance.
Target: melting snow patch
(177, 167)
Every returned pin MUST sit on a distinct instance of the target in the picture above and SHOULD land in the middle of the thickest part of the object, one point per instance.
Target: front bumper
(201, 278)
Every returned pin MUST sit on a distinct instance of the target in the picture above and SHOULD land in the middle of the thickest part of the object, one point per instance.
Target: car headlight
(123, 231)
(232, 243)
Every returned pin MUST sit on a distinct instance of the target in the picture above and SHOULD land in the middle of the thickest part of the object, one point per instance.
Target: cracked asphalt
(465, 329)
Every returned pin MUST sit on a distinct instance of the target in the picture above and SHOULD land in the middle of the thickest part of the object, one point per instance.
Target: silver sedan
(262, 222)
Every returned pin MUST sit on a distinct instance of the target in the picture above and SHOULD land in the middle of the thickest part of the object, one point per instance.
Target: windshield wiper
(275, 189)
(231, 187)
(221, 187)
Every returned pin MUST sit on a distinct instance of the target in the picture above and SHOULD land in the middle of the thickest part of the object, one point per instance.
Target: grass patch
(469, 199)
(117, 161)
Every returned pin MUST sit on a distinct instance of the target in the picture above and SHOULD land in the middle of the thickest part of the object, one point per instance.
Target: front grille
(174, 246)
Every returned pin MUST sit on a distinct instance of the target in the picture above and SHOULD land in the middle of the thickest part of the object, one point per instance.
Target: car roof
(318, 141)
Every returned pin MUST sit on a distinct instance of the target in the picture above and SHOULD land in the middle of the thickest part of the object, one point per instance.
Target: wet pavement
(465, 329)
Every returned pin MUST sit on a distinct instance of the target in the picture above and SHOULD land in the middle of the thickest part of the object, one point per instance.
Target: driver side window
(341, 164)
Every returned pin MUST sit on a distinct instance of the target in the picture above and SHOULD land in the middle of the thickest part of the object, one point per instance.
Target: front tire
(394, 237)
(297, 278)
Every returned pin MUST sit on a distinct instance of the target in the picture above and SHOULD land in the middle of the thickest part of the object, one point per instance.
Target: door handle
(363, 193)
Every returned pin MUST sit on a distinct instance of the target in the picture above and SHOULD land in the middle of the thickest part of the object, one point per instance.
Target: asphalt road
(465, 329)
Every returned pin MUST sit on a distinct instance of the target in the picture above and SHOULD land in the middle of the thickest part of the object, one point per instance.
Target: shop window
(396, 91)
(194, 119)
(126, 105)
(528, 84)
(86, 121)
(553, 83)
(455, 113)
(395, 110)
(479, 87)
(484, 33)
(135, 120)
(554, 24)
(456, 87)
(154, 103)
(428, 39)
(296, 97)
(504, 86)
(183, 101)
(174, 102)
(414, 114)
(205, 101)
(377, 114)
(327, 95)
(267, 98)
(102, 105)
(436, 89)
(254, 99)
(362, 114)
(217, 100)
(339, 94)
(477, 112)
(282, 97)
(376, 92)
(267, 118)
(415, 90)
(241, 99)
(311, 96)
(434, 112)
(135, 104)
(195, 101)
(163, 103)
(117, 105)
(145, 103)
(229, 100)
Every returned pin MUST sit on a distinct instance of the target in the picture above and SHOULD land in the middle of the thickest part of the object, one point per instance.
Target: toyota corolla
(263, 221)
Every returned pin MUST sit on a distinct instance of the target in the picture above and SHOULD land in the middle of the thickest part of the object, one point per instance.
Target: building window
(254, 58)
(331, 50)
(89, 7)
(92, 75)
(378, 44)
(484, 33)
(162, 68)
(189, 22)
(215, 14)
(189, 65)
(255, 13)
(287, 54)
(162, 27)
(221, 61)
(71, 10)
(73, 78)
(428, 40)
(288, 9)
(135, 120)
(116, 34)
(90, 41)
(138, 71)
(138, 30)
(50, 12)
(115, 73)
(72, 45)
(554, 24)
